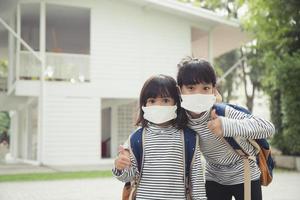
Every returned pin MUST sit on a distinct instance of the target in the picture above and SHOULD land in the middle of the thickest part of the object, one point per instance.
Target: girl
(163, 172)
(224, 167)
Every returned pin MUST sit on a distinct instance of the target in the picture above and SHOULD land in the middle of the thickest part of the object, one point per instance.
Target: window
(67, 29)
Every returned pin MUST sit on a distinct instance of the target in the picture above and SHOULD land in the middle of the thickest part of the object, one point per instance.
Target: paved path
(90, 189)
(286, 186)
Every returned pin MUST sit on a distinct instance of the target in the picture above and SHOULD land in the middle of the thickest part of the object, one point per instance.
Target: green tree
(275, 24)
(288, 74)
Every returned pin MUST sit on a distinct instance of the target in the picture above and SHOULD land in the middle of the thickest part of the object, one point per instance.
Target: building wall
(130, 43)
(71, 130)
(203, 51)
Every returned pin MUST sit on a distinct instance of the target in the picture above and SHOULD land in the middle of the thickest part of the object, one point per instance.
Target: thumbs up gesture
(215, 124)
(123, 159)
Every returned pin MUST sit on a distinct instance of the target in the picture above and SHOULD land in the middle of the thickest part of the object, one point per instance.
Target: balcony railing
(59, 67)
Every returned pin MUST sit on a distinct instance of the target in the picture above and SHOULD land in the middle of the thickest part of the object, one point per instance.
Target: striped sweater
(222, 164)
(163, 171)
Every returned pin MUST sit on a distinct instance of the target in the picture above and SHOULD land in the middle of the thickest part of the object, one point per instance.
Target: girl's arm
(237, 123)
(127, 174)
(197, 178)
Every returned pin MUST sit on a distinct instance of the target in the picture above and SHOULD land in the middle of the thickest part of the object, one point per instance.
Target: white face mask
(198, 103)
(159, 114)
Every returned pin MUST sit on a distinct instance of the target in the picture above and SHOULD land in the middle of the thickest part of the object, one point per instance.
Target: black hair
(193, 71)
(161, 86)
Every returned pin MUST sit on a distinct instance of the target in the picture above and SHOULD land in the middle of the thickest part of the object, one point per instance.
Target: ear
(217, 94)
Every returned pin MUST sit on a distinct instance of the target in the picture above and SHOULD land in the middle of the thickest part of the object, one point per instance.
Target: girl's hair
(161, 86)
(193, 71)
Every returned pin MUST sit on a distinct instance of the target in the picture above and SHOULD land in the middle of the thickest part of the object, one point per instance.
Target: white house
(95, 55)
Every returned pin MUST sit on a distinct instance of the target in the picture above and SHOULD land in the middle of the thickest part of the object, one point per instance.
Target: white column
(11, 57)
(100, 130)
(18, 42)
(13, 147)
(114, 131)
(41, 136)
(25, 133)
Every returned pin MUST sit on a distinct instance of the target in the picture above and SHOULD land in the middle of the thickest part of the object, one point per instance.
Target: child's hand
(215, 124)
(123, 159)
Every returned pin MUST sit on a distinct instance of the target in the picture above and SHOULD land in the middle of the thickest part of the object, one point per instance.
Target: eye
(190, 87)
(151, 101)
(166, 100)
(206, 88)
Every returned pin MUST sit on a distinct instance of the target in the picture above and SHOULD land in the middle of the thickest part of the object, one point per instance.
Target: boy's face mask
(198, 103)
(159, 114)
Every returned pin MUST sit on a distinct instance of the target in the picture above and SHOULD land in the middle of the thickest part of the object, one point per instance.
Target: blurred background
(71, 72)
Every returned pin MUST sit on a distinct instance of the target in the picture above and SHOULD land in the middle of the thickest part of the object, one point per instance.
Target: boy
(224, 167)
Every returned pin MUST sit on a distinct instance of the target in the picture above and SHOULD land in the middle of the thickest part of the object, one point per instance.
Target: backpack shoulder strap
(136, 149)
(190, 142)
(136, 145)
(231, 142)
(221, 107)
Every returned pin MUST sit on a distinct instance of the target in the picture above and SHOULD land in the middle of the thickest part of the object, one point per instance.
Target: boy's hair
(193, 71)
(161, 86)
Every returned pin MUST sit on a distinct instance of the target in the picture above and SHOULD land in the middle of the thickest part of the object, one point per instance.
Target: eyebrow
(203, 84)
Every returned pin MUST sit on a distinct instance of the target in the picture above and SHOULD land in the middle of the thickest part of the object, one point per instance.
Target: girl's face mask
(198, 103)
(159, 114)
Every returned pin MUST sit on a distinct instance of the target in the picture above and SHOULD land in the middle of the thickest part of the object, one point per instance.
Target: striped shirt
(223, 165)
(163, 169)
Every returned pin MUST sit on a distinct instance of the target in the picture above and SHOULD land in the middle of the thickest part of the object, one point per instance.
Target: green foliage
(3, 68)
(276, 117)
(288, 76)
(275, 25)
(4, 121)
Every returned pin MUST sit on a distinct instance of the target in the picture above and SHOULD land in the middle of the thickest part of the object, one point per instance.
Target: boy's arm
(237, 123)
(197, 178)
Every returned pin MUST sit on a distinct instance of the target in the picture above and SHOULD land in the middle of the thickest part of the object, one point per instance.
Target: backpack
(136, 147)
(264, 158)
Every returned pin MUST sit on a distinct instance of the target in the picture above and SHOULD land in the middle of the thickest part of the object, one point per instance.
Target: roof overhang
(188, 11)
(226, 33)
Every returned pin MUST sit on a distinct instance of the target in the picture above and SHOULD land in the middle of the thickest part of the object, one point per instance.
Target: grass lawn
(55, 176)
(71, 175)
